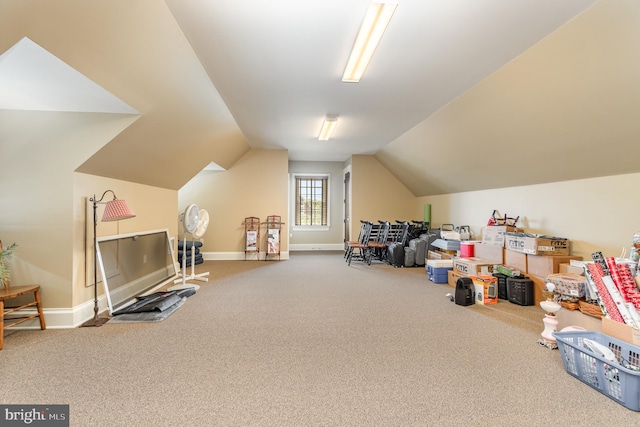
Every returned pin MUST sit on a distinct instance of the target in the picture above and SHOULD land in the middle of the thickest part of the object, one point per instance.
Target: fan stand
(193, 276)
(202, 276)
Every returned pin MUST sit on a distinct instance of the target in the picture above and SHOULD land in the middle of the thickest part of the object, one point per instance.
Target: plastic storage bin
(438, 275)
(611, 379)
(438, 270)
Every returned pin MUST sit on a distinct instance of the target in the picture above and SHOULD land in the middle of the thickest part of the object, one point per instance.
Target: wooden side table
(11, 292)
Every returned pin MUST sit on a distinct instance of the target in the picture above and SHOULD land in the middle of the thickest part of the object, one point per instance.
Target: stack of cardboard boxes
(535, 256)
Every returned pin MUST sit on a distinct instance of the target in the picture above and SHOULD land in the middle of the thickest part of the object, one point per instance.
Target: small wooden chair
(9, 292)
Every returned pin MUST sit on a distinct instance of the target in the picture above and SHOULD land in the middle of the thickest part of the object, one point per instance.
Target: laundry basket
(619, 381)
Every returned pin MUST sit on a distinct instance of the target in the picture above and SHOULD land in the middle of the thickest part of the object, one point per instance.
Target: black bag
(395, 254)
(465, 292)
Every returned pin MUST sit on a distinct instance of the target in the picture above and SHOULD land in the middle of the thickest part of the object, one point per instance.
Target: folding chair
(378, 246)
(349, 244)
(361, 250)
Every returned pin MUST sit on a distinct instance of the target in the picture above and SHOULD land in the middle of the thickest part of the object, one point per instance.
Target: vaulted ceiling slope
(565, 109)
(136, 51)
(461, 94)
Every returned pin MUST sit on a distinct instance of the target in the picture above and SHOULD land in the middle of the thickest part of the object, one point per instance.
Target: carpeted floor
(308, 342)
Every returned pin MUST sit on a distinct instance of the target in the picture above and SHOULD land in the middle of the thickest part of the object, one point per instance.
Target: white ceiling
(278, 64)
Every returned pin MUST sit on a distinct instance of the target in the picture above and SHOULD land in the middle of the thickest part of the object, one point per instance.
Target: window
(311, 201)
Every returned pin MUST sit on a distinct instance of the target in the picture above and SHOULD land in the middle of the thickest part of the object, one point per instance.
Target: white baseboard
(240, 256)
(316, 247)
(67, 318)
(63, 318)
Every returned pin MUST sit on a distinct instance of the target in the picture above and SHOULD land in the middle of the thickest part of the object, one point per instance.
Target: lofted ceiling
(278, 64)
(451, 81)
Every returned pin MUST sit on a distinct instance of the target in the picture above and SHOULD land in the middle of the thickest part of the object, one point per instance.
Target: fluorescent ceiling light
(375, 22)
(328, 126)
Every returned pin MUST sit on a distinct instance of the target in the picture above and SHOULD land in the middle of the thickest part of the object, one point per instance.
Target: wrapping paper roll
(597, 274)
(613, 283)
(629, 289)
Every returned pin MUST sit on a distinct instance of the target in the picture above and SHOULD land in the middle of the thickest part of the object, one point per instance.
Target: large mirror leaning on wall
(135, 264)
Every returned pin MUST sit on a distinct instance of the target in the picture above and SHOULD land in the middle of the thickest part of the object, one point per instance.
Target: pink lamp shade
(116, 210)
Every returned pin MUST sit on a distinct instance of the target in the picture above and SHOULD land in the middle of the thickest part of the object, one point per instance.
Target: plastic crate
(611, 379)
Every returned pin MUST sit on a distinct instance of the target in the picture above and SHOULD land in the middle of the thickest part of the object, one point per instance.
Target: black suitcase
(395, 254)
(465, 292)
(520, 290)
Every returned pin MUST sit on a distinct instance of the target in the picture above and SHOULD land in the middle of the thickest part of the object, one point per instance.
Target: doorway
(347, 207)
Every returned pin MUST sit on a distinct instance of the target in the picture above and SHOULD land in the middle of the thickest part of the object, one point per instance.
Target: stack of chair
(374, 239)
(378, 243)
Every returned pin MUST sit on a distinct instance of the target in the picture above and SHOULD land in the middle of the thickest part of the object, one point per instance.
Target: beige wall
(38, 154)
(256, 185)
(598, 214)
(378, 195)
(44, 203)
(155, 209)
(333, 238)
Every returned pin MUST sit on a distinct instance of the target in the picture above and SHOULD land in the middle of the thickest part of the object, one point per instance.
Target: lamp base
(95, 321)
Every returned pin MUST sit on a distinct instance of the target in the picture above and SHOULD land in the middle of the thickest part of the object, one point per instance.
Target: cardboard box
(577, 318)
(536, 244)
(453, 277)
(473, 266)
(515, 259)
(569, 268)
(506, 270)
(543, 265)
(492, 253)
(620, 331)
(494, 234)
(486, 288)
(438, 255)
(573, 285)
(539, 284)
